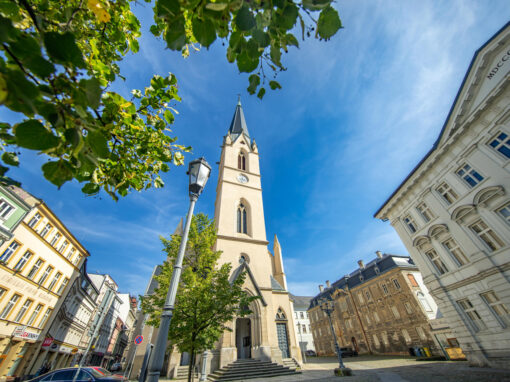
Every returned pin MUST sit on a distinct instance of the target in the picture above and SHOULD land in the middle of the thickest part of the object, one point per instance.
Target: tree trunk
(191, 363)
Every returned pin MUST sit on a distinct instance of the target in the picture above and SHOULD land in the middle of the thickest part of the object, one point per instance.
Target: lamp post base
(343, 372)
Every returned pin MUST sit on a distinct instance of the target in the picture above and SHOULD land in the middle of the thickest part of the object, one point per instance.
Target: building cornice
(243, 239)
(242, 185)
(243, 171)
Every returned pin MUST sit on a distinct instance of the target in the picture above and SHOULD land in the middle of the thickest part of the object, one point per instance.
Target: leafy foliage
(59, 58)
(206, 300)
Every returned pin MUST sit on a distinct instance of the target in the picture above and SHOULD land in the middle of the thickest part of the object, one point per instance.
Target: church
(268, 333)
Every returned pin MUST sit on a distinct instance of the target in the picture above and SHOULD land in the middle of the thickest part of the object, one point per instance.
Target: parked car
(84, 374)
(116, 367)
(310, 353)
(349, 352)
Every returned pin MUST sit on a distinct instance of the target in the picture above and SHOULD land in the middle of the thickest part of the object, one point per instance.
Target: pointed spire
(178, 229)
(279, 273)
(238, 124)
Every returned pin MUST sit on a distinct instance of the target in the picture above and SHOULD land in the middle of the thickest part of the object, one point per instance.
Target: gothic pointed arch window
(280, 315)
(242, 219)
(241, 161)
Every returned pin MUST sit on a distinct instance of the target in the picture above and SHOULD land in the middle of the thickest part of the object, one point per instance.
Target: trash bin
(417, 352)
(427, 351)
(411, 352)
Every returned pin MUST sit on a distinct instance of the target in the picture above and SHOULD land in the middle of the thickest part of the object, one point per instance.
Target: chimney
(379, 254)
(361, 264)
(321, 288)
(328, 285)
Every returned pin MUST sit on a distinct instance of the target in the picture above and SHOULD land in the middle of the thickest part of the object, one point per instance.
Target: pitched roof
(301, 302)
(238, 124)
(275, 285)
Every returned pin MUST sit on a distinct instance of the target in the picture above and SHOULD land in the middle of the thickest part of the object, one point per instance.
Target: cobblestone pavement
(393, 369)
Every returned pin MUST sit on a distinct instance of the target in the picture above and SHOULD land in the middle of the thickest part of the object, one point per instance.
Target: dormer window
(241, 161)
(242, 220)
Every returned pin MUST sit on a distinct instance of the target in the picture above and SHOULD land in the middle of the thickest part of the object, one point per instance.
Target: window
(241, 161)
(376, 317)
(34, 314)
(423, 301)
(497, 308)
(77, 259)
(470, 175)
(5, 312)
(384, 337)
(35, 219)
(421, 333)
(47, 228)
(71, 253)
(2, 292)
(396, 283)
(376, 341)
(5, 209)
(45, 317)
(504, 212)
(242, 219)
(367, 318)
(57, 277)
(368, 295)
(360, 298)
(395, 311)
(63, 246)
(454, 250)
(376, 270)
(472, 314)
(23, 310)
(425, 212)
(304, 329)
(9, 251)
(408, 307)
(406, 335)
(295, 313)
(447, 193)
(486, 235)
(301, 315)
(45, 275)
(412, 280)
(436, 261)
(55, 239)
(501, 143)
(385, 289)
(35, 268)
(21, 262)
(410, 223)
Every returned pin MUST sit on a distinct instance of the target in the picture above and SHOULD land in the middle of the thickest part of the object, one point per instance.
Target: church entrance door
(243, 338)
(283, 342)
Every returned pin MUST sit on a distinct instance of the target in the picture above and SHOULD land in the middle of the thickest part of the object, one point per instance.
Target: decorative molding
(245, 240)
(242, 185)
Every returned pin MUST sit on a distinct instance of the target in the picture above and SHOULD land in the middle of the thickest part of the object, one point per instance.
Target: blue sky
(355, 115)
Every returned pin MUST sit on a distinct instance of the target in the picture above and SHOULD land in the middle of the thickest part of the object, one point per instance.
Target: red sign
(47, 341)
(138, 340)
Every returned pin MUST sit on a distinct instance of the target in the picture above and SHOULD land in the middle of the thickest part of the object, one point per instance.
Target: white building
(453, 211)
(302, 322)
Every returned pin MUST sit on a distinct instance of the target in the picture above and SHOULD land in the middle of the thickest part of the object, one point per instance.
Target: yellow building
(38, 264)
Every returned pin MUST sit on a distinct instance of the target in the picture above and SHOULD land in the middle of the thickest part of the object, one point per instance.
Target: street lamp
(198, 171)
(327, 306)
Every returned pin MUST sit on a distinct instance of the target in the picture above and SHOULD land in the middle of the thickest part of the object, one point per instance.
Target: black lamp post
(198, 171)
(327, 306)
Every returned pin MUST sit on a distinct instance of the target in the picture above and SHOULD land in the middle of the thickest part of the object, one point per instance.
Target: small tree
(206, 298)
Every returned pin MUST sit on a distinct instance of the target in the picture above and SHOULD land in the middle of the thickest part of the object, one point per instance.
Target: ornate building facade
(452, 211)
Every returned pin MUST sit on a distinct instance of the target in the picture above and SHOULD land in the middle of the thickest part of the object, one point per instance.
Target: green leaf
(98, 144)
(169, 117)
(245, 63)
(254, 82)
(274, 85)
(3, 89)
(21, 93)
(7, 30)
(235, 38)
(253, 49)
(62, 48)
(261, 93)
(329, 23)
(168, 8)
(262, 38)
(244, 19)
(92, 91)
(288, 17)
(316, 5)
(276, 55)
(175, 35)
(39, 66)
(290, 39)
(216, 6)
(58, 172)
(90, 188)
(31, 134)
(10, 159)
(204, 31)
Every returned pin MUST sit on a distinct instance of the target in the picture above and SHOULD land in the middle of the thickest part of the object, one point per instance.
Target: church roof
(275, 285)
(238, 124)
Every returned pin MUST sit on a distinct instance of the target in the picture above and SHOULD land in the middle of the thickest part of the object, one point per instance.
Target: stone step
(259, 374)
(250, 368)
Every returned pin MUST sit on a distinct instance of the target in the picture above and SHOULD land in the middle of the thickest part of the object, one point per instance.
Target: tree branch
(19, 63)
(31, 13)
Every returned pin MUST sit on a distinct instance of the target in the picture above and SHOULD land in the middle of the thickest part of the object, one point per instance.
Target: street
(394, 369)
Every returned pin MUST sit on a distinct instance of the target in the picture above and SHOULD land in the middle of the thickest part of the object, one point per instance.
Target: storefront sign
(47, 342)
(22, 332)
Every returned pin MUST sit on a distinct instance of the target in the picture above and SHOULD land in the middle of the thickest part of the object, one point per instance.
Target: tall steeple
(238, 124)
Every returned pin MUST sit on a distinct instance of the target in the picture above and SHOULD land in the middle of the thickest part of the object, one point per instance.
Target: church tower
(268, 333)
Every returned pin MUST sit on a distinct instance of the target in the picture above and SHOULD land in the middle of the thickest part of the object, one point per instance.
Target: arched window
(280, 315)
(242, 219)
(241, 161)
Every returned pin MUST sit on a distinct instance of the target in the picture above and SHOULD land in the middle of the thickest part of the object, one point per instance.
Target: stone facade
(453, 211)
(302, 325)
(381, 308)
